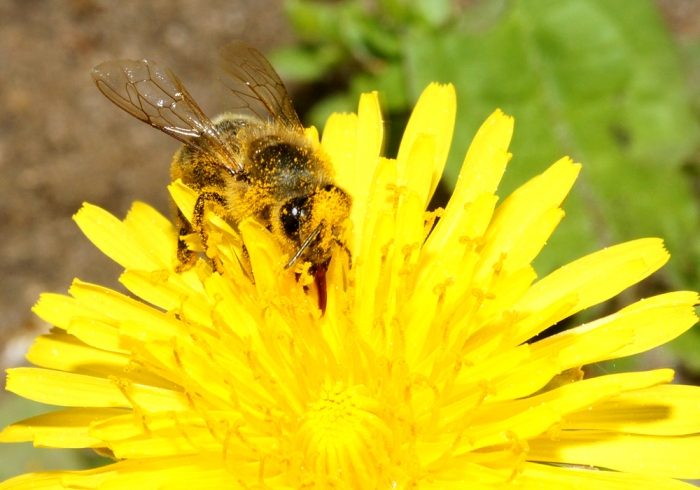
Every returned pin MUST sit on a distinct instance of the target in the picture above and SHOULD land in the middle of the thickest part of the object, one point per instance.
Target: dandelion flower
(420, 374)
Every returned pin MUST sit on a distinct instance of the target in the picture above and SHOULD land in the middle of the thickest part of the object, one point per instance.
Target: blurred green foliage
(599, 80)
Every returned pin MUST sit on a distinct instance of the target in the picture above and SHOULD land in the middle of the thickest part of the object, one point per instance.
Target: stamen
(123, 385)
(398, 192)
(183, 431)
(143, 419)
(160, 276)
(385, 253)
(520, 449)
(497, 269)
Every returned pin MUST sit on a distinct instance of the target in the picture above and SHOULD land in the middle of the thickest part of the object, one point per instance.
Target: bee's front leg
(186, 257)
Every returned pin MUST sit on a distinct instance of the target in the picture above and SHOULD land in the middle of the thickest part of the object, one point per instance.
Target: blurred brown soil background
(63, 143)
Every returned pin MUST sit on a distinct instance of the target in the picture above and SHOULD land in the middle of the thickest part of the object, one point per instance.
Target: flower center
(343, 437)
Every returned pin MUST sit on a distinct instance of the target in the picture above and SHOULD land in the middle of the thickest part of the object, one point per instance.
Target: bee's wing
(153, 94)
(254, 87)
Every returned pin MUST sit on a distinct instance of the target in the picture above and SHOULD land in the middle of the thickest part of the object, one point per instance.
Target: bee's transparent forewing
(253, 87)
(153, 94)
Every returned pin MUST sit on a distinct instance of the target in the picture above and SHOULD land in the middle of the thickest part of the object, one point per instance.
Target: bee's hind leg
(200, 208)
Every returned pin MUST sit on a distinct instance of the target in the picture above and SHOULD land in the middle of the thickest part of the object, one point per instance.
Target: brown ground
(62, 142)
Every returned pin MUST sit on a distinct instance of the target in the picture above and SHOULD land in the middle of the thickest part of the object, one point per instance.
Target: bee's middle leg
(185, 257)
(345, 248)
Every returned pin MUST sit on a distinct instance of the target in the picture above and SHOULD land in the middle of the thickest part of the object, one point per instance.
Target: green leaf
(686, 347)
(691, 61)
(598, 80)
(352, 28)
(320, 113)
(396, 10)
(434, 12)
(313, 21)
(302, 64)
(382, 42)
(389, 82)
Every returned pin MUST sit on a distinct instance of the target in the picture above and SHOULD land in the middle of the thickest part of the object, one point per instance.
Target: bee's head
(313, 223)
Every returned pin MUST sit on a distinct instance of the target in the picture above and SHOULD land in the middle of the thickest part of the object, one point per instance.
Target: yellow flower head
(418, 375)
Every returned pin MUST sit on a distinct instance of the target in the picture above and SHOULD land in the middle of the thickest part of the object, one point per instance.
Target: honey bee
(254, 160)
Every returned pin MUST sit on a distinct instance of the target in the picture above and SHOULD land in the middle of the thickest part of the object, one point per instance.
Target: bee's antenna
(304, 246)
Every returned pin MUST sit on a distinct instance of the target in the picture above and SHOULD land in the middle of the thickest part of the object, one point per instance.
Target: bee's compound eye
(292, 213)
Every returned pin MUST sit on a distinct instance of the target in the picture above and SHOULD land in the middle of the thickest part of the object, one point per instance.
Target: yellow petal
(658, 320)
(417, 171)
(67, 389)
(265, 258)
(62, 428)
(202, 471)
(234, 307)
(120, 307)
(49, 480)
(98, 334)
(354, 144)
(573, 350)
(662, 410)
(481, 172)
(598, 276)
(340, 144)
(312, 134)
(529, 323)
(66, 353)
(75, 390)
(380, 202)
(537, 419)
(433, 117)
(116, 240)
(522, 224)
(171, 443)
(203, 376)
(170, 292)
(618, 385)
(523, 380)
(370, 273)
(60, 310)
(538, 476)
(370, 138)
(155, 232)
(130, 425)
(669, 457)
(184, 198)
(409, 235)
(645, 324)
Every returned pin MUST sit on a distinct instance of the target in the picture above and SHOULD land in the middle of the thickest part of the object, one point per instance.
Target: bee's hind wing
(254, 88)
(153, 94)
